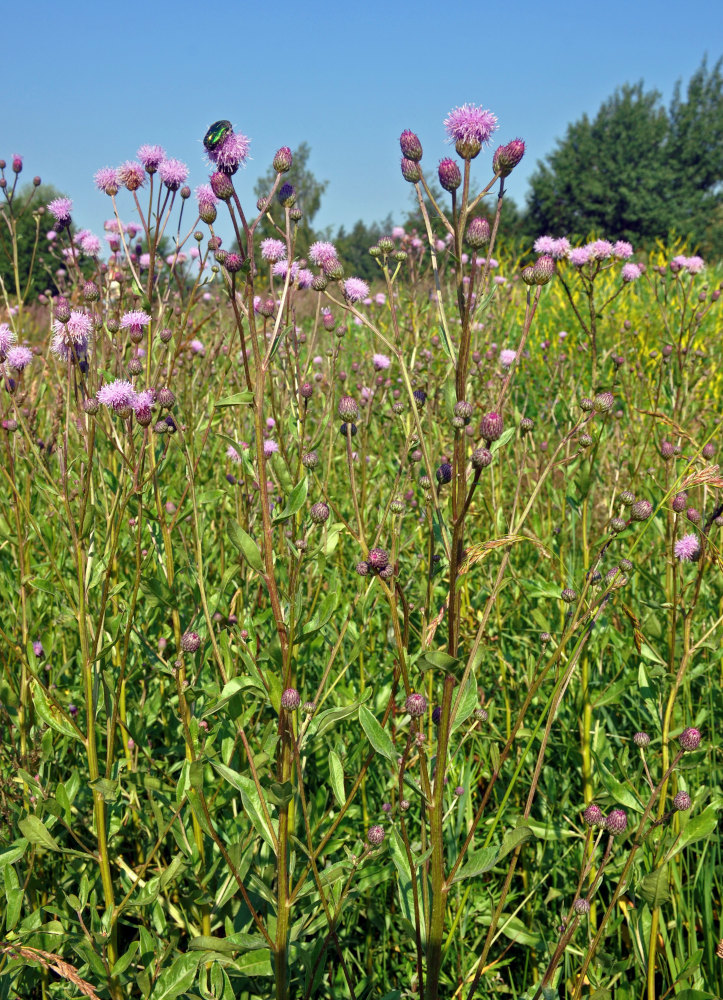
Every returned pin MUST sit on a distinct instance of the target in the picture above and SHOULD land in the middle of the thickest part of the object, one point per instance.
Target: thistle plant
(359, 633)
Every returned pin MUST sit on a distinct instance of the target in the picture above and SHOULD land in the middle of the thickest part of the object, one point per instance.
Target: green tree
(22, 231)
(636, 171)
(353, 247)
(309, 192)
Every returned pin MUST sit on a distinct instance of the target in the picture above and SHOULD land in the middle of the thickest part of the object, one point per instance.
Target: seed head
(545, 637)
(290, 699)
(682, 801)
(581, 906)
(416, 705)
(641, 510)
(348, 408)
(618, 524)
(375, 835)
(190, 642)
(527, 425)
(306, 391)
(679, 502)
(492, 426)
(693, 515)
(641, 740)
(603, 402)
(310, 460)
(319, 513)
(444, 473)
(627, 498)
(378, 559)
(478, 233)
(568, 595)
(666, 449)
(362, 568)
(463, 409)
(593, 815)
(586, 404)
(420, 397)
(689, 739)
(617, 822)
(481, 458)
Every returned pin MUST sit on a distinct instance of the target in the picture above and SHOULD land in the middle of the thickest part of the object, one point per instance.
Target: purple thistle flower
(622, 250)
(19, 358)
(117, 395)
(355, 289)
(305, 278)
(7, 339)
(694, 265)
(89, 243)
(270, 447)
(416, 705)
(38, 648)
(131, 175)
(381, 362)
(322, 252)
(560, 248)
(232, 153)
(61, 209)
(273, 250)
(579, 256)
(72, 339)
(631, 272)
(600, 249)
(151, 157)
(470, 127)
(106, 180)
(134, 321)
(205, 196)
(281, 269)
(544, 244)
(687, 548)
(173, 173)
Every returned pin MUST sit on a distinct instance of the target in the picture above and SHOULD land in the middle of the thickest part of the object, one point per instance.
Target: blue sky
(85, 84)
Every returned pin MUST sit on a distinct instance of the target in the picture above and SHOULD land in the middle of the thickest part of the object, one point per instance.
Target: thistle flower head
(410, 145)
(61, 208)
(132, 175)
(231, 154)
(375, 835)
(117, 395)
(151, 157)
(470, 127)
(290, 699)
(173, 173)
(106, 180)
(416, 705)
(355, 290)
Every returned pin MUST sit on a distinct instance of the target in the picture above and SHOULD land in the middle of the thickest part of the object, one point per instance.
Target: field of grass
(359, 642)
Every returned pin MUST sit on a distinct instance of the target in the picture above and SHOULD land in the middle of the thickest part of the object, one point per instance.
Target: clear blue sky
(85, 84)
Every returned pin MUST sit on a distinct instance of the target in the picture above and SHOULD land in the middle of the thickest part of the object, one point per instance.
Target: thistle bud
(411, 171)
(507, 157)
(478, 233)
(282, 160)
(449, 173)
(410, 145)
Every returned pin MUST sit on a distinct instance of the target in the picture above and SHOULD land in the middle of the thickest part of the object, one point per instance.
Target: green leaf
(106, 788)
(324, 612)
(439, 660)
(125, 960)
(378, 737)
(296, 500)
(654, 887)
(238, 399)
(175, 980)
(246, 546)
(249, 798)
(336, 777)
(481, 861)
(36, 832)
(324, 721)
(255, 963)
(697, 828)
(53, 716)
(515, 837)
